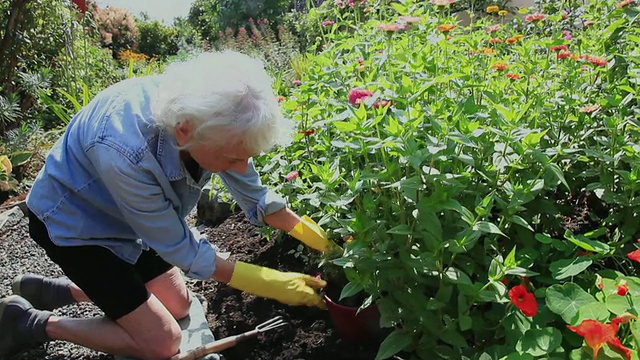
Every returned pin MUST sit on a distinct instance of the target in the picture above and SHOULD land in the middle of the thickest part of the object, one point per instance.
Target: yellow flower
(493, 8)
(503, 12)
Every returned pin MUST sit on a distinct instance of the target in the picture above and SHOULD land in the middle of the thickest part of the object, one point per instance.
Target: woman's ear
(184, 132)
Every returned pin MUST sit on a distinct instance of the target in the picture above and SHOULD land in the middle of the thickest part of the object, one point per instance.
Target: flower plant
(459, 187)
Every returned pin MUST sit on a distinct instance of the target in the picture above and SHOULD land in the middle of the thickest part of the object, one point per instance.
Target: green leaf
(520, 221)
(539, 342)
(451, 336)
(350, 289)
(566, 300)
(597, 311)
(555, 169)
(344, 126)
(621, 304)
(510, 260)
(533, 138)
(456, 276)
(400, 230)
(19, 158)
(521, 272)
(586, 243)
(487, 227)
(565, 268)
(394, 343)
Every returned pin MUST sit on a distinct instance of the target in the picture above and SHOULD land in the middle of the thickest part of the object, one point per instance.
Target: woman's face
(214, 157)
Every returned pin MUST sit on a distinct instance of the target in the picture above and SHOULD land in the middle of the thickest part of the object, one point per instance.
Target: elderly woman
(109, 208)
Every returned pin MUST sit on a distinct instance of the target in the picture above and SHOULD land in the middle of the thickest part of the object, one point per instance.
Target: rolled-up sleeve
(144, 206)
(255, 199)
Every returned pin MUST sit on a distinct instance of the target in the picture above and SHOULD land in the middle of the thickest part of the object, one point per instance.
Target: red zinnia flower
(598, 61)
(356, 96)
(308, 132)
(558, 48)
(523, 300)
(596, 334)
(634, 255)
(513, 76)
(564, 54)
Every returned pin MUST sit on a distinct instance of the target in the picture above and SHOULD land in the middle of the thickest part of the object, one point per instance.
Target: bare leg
(149, 332)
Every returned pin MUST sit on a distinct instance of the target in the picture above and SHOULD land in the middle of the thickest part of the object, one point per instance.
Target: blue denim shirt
(115, 179)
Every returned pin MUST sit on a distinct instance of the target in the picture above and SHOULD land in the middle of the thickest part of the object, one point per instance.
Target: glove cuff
(246, 277)
(310, 233)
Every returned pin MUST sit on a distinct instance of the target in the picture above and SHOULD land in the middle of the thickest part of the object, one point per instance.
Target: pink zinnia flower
(356, 96)
(381, 104)
(328, 23)
(493, 28)
(567, 35)
(534, 17)
(292, 175)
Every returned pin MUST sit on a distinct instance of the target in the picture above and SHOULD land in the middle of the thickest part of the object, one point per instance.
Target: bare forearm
(283, 219)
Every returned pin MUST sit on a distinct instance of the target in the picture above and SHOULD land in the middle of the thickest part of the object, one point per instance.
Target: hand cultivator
(230, 341)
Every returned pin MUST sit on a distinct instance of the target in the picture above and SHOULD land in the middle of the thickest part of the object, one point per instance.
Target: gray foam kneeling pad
(195, 331)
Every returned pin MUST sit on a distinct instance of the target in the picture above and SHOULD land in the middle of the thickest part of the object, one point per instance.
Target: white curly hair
(227, 96)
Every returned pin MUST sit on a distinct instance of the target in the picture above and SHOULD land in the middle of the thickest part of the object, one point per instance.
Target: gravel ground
(19, 255)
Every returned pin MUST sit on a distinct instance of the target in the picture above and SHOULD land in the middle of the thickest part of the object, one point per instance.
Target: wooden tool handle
(207, 349)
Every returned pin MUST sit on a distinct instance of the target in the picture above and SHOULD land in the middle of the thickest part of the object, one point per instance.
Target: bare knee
(182, 309)
(165, 347)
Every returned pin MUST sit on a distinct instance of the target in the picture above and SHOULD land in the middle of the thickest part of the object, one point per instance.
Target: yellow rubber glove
(312, 235)
(286, 287)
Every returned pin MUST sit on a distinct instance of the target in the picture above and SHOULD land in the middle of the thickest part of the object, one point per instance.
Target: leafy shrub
(157, 40)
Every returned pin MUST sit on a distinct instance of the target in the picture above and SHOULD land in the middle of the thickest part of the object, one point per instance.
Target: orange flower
(488, 51)
(634, 255)
(513, 76)
(495, 41)
(517, 36)
(624, 3)
(280, 98)
(511, 40)
(596, 334)
(590, 109)
(523, 300)
(445, 28)
(499, 66)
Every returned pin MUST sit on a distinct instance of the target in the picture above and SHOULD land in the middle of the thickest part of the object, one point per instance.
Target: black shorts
(112, 284)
